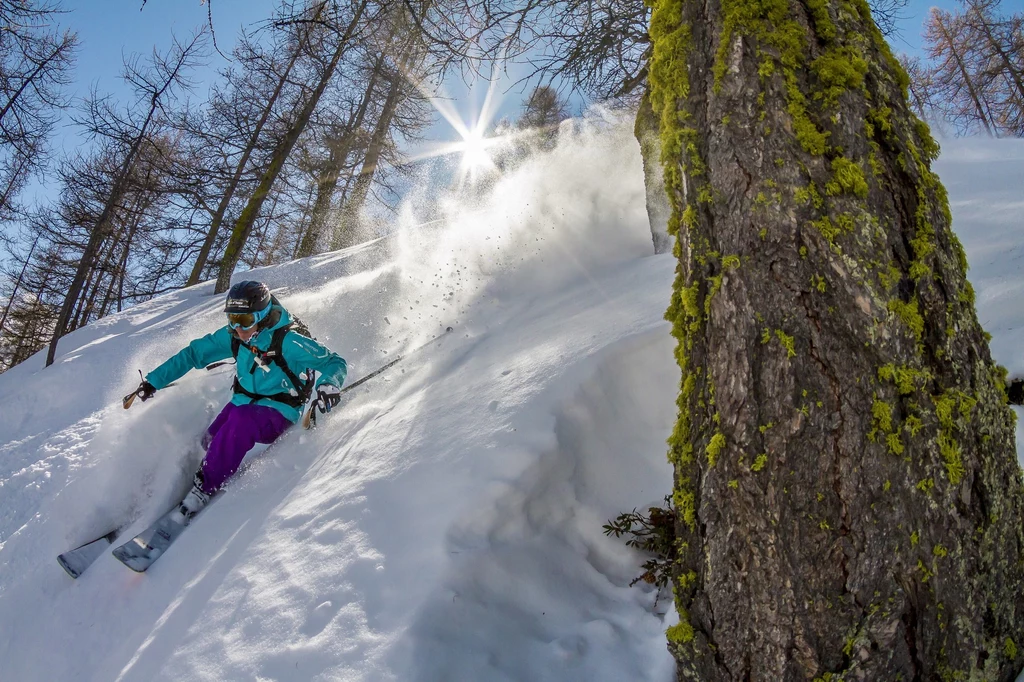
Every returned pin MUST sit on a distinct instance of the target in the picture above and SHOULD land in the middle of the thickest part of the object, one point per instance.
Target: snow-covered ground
(445, 525)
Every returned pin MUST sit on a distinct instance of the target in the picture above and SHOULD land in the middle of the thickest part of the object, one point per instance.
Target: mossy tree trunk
(850, 503)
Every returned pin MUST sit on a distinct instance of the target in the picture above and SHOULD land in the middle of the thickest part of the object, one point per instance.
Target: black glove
(145, 391)
(327, 397)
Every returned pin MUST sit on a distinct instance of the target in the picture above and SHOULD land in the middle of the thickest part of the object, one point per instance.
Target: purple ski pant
(232, 434)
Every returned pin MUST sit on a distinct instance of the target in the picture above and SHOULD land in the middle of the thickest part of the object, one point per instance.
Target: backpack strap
(302, 389)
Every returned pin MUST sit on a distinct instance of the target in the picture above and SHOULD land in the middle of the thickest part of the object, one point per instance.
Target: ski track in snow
(445, 523)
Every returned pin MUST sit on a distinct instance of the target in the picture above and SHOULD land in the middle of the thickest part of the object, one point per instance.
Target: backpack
(302, 389)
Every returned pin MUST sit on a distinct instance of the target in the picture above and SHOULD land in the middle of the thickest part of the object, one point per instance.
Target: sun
(474, 149)
(476, 159)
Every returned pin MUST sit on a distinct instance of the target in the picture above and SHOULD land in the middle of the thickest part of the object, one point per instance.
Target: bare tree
(408, 65)
(29, 312)
(1000, 42)
(343, 29)
(921, 87)
(542, 112)
(247, 55)
(341, 142)
(152, 85)
(975, 77)
(346, 232)
(36, 59)
(17, 282)
(952, 78)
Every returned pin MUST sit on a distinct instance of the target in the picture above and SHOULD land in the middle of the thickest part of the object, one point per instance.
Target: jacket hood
(278, 315)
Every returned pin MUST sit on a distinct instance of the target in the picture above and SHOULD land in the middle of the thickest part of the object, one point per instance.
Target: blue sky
(109, 30)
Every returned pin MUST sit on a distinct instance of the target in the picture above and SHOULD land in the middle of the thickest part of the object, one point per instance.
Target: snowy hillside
(445, 523)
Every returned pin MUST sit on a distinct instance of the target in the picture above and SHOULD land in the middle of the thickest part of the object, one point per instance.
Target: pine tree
(543, 110)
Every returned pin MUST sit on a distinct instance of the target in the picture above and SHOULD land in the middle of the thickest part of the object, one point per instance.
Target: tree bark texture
(849, 499)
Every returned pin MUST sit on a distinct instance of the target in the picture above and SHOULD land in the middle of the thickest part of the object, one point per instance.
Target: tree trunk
(848, 495)
(17, 284)
(306, 219)
(243, 226)
(328, 183)
(103, 226)
(345, 234)
(118, 275)
(243, 160)
(79, 314)
(96, 237)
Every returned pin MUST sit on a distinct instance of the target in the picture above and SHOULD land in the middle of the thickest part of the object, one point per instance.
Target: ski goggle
(246, 321)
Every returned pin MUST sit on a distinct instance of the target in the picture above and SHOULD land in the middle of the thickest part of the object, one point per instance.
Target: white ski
(141, 551)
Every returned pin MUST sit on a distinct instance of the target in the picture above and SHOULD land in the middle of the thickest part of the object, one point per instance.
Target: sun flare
(476, 159)
(474, 150)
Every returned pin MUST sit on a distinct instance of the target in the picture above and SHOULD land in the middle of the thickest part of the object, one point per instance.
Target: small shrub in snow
(653, 533)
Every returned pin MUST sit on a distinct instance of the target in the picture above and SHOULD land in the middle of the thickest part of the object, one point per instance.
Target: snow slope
(445, 524)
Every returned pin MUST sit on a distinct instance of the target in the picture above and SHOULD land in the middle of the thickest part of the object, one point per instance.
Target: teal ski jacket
(299, 352)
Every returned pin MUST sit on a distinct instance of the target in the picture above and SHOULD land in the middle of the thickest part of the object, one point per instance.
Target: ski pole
(127, 401)
(309, 419)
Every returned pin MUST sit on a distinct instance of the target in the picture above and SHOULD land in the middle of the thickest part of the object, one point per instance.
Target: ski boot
(195, 500)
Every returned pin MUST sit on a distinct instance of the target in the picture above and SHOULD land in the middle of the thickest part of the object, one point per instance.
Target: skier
(273, 380)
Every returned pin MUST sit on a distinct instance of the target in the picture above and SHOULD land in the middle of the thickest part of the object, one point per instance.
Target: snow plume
(555, 217)
(520, 231)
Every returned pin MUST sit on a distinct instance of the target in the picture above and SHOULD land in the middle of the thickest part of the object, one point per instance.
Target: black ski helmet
(247, 297)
